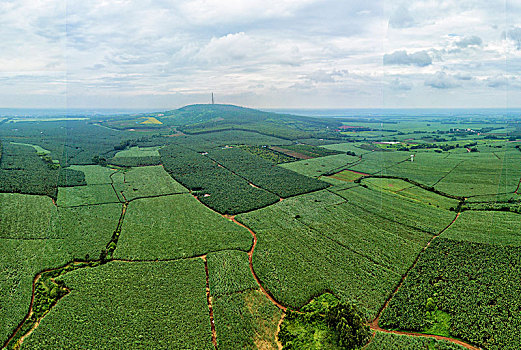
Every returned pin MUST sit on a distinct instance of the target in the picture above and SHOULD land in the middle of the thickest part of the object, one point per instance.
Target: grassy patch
(246, 320)
(229, 272)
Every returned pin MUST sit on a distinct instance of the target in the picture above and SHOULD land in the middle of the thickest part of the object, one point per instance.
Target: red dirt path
(250, 258)
(438, 337)
(517, 188)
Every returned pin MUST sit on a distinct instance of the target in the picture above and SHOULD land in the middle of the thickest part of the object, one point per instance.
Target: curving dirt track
(250, 258)
(438, 337)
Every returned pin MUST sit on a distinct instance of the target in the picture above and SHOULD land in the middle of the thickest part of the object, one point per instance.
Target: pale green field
(94, 174)
(139, 152)
(86, 195)
(318, 166)
(176, 226)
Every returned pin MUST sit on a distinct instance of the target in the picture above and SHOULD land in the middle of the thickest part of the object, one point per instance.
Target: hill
(204, 118)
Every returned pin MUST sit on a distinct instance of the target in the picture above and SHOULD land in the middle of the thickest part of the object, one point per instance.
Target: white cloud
(420, 59)
(441, 80)
(514, 34)
(469, 41)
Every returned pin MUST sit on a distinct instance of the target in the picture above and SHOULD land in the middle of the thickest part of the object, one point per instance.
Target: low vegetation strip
(303, 151)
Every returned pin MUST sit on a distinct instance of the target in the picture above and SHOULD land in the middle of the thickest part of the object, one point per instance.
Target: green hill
(204, 118)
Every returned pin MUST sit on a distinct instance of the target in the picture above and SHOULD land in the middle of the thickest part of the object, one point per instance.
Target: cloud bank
(284, 53)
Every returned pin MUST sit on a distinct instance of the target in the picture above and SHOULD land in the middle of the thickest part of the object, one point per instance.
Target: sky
(260, 53)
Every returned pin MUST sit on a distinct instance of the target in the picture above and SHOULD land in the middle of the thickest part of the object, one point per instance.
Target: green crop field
(400, 209)
(25, 216)
(176, 226)
(323, 165)
(114, 306)
(492, 227)
(86, 230)
(86, 195)
(244, 317)
(411, 192)
(346, 242)
(138, 152)
(246, 320)
(222, 227)
(20, 261)
(229, 273)
(147, 181)
(94, 174)
(386, 341)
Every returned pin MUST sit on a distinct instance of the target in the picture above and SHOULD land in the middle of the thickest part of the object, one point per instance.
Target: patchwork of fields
(210, 237)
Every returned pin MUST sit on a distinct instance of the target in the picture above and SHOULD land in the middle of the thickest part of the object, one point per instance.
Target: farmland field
(86, 195)
(222, 227)
(20, 261)
(147, 181)
(138, 152)
(115, 306)
(36, 221)
(386, 341)
(94, 174)
(381, 252)
(176, 226)
(319, 166)
(492, 227)
(244, 317)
